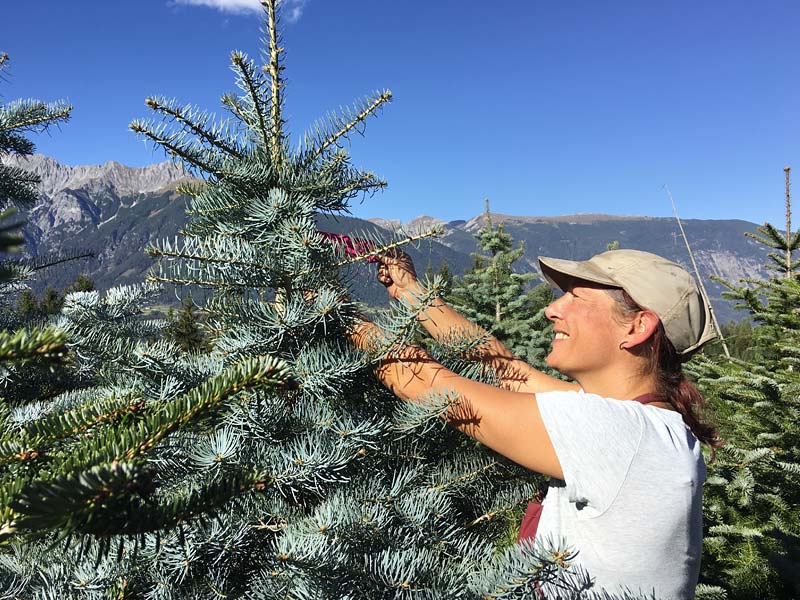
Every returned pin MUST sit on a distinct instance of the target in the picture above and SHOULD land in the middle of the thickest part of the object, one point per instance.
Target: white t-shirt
(631, 499)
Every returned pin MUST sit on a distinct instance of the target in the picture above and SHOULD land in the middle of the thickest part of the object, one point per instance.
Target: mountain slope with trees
(116, 211)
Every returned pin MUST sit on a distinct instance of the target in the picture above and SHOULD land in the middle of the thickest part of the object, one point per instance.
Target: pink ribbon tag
(352, 246)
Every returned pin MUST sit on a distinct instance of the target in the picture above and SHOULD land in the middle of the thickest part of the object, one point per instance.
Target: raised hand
(396, 272)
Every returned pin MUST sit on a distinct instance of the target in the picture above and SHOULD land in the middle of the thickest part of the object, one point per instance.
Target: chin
(553, 363)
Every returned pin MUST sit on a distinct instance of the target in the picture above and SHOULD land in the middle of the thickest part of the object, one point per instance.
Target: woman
(622, 443)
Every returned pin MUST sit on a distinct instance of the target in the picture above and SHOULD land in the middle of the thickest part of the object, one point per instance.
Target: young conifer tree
(360, 495)
(241, 486)
(501, 300)
(752, 493)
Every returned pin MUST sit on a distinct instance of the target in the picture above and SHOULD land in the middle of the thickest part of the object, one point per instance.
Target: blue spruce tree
(274, 465)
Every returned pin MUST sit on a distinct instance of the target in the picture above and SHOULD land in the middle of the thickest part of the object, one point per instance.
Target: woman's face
(588, 330)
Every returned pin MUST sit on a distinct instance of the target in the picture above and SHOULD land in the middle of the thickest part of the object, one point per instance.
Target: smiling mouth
(561, 336)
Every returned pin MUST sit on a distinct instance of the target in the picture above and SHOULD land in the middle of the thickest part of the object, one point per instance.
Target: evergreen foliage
(18, 119)
(185, 328)
(501, 300)
(739, 337)
(228, 474)
(27, 305)
(752, 493)
(445, 277)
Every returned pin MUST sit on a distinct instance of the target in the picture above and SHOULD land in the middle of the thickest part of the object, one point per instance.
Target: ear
(639, 330)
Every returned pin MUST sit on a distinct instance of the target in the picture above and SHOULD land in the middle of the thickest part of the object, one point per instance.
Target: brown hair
(665, 362)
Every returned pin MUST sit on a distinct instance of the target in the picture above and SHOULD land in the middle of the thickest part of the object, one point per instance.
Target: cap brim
(560, 272)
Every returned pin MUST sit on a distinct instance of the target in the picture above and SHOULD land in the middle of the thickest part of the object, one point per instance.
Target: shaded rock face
(105, 209)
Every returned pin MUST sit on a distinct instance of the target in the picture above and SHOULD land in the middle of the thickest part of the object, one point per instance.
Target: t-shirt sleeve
(595, 439)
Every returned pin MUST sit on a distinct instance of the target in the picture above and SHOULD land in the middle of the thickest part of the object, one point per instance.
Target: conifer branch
(262, 371)
(215, 210)
(380, 100)
(57, 426)
(381, 346)
(180, 116)
(204, 283)
(384, 249)
(461, 479)
(36, 115)
(44, 262)
(234, 105)
(173, 149)
(274, 69)
(248, 77)
(161, 253)
(24, 344)
(191, 189)
(366, 182)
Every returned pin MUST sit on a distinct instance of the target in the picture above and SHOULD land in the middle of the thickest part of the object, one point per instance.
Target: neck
(619, 383)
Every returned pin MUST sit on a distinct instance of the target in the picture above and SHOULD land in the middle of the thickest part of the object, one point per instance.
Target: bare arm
(442, 321)
(508, 422)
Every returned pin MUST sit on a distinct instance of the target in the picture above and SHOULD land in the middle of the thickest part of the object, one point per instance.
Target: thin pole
(788, 225)
(697, 274)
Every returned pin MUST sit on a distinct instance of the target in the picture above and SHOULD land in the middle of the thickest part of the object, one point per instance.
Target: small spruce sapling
(502, 301)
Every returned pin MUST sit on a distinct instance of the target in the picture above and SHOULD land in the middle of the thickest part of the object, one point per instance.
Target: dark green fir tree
(503, 301)
(752, 493)
(51, 301)
(186, 328)
(27, 305)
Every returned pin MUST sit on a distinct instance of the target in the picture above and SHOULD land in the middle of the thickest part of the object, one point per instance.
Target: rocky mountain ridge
(116, 211)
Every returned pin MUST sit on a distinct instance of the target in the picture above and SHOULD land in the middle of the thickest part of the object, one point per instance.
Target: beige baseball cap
(653, 282)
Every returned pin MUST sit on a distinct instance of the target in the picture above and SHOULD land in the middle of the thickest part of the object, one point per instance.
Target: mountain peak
(124, 180)
(416, 225)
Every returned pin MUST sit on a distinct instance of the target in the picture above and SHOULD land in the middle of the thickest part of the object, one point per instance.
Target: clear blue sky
(546, 108)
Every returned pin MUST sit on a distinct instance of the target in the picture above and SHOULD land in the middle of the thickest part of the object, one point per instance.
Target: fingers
(395, 259)
(396, 272)
(383, 274)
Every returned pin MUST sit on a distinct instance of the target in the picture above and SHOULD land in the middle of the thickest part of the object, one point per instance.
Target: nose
(553, 311)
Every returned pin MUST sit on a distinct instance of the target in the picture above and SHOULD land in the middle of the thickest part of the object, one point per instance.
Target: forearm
(505, 421)
(444, 324)
(412, 374)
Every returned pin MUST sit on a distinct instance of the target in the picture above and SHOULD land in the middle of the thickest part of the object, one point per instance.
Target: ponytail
(681, 394)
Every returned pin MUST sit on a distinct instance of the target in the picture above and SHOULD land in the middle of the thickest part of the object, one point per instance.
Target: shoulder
(589, 407)
(582, 423)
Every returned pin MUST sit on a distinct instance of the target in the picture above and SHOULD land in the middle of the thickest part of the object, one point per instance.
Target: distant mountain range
(116, 211)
